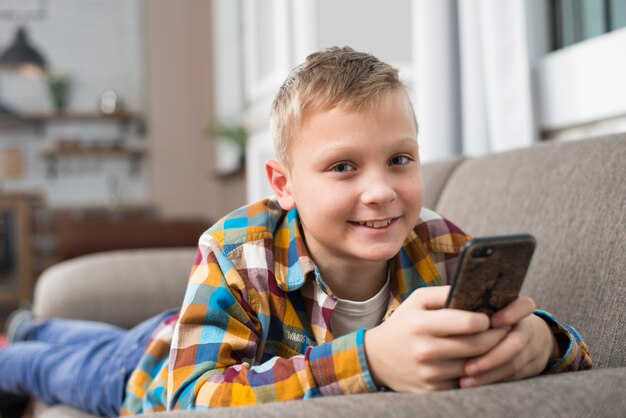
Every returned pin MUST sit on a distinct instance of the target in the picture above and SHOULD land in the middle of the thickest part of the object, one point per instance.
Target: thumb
(429, 297)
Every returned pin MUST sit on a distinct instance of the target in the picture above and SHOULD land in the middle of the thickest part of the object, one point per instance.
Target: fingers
(432, 298)
(429, 297)
(424, 308)
(448, 322)
(440, 375)
(459, 347)
(436, 372)
(524, 352)
(505, 372)
(405, 351)
(519, 367)
(511, 346)
(513, 312)
(436, 386)
(399, 365)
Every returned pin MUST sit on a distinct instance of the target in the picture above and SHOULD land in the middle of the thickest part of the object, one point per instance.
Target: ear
(278, 176)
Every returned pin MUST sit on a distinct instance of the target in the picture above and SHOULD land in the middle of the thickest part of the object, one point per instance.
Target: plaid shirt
(255, 322)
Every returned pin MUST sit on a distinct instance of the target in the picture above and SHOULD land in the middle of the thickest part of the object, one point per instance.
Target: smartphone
(490, 272)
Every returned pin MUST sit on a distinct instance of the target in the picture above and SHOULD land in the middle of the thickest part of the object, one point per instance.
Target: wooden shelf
(13, 122)
(103, 208)
(80, 117)
(134, 154)
(38, 121)
(92, 151)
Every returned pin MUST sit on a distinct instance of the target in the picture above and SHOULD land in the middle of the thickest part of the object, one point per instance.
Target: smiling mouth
(375, 224)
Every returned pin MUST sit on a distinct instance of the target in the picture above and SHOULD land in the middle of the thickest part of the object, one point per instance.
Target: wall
(180, 109)
(99, 44)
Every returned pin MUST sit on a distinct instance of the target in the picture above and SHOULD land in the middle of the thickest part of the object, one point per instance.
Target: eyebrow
(337, 148)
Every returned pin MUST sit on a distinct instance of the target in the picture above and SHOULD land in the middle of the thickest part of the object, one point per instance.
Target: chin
(382, 254)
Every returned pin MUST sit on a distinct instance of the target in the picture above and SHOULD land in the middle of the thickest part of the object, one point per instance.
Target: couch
(570, 195)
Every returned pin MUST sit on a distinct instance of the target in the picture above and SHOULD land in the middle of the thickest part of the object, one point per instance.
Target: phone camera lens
(482, 252)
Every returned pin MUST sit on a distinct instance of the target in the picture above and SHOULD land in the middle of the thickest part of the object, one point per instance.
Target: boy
(299, 295)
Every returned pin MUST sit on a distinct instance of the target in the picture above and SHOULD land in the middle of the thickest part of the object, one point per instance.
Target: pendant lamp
(22, 57)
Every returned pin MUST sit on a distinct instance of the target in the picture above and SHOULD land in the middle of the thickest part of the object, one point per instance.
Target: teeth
(376, 224)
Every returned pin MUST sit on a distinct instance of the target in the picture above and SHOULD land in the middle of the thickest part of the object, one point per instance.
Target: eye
(399, 160)
(342, 168)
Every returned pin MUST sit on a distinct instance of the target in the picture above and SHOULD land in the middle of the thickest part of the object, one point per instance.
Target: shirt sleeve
(215, 344)
(575, 353)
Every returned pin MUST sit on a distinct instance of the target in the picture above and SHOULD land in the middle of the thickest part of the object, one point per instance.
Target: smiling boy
(346, 257)
(337, 284)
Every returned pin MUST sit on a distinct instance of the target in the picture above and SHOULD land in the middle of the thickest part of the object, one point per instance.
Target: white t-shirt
(350, 315)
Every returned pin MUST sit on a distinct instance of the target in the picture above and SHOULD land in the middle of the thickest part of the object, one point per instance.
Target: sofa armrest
(118, 287)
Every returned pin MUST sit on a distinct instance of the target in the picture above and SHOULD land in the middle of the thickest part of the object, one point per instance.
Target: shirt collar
(292, 262)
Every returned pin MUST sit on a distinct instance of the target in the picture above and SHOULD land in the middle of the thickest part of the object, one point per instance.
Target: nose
(378, 190)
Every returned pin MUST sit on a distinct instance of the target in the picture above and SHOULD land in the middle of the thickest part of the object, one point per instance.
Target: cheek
(324, 203)
(419, 193)
(412, 192)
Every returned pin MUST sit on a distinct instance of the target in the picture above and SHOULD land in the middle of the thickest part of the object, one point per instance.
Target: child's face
(355, 178)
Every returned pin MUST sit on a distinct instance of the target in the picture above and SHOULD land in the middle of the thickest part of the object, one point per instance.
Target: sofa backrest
(436, 176)
(572, 197)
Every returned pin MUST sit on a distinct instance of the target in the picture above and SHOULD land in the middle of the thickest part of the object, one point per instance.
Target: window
(579, 66)
(574, 21)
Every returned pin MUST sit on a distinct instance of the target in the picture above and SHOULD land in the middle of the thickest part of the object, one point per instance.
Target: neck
(357, 281)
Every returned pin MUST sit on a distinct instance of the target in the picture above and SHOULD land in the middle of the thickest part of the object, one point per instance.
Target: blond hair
(332, 77)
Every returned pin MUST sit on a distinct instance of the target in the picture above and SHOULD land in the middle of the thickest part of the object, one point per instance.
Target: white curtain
(472, 77)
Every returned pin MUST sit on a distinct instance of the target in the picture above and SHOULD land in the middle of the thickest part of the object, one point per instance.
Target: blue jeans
(79, 363)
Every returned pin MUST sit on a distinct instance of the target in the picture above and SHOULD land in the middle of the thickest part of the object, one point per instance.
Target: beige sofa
(571, 196)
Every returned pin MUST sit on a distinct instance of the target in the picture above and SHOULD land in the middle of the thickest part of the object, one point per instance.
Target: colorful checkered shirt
(255, 322)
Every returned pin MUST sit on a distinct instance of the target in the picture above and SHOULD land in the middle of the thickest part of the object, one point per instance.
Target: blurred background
(136, 123)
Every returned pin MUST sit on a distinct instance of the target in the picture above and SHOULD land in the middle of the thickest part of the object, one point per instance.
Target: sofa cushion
(41, 410)
(583, 394)
(572, 197)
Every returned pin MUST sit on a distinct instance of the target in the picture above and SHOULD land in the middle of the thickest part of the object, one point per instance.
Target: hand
(524, 352)
(423, 347)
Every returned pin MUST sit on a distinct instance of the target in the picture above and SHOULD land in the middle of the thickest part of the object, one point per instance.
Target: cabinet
(16, 261)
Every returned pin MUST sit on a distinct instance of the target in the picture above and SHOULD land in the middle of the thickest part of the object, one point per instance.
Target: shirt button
(134, 347)
(123, 370)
